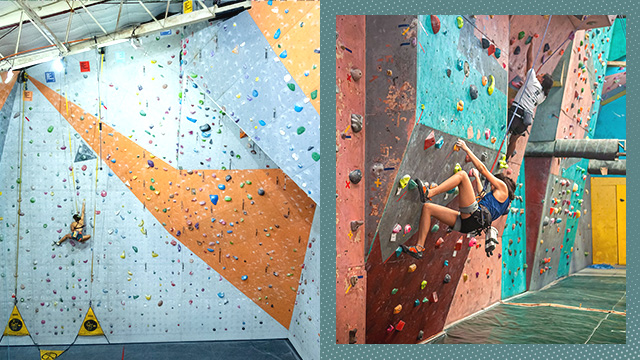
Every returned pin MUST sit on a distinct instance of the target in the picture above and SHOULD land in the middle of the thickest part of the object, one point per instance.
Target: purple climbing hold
(150, 163)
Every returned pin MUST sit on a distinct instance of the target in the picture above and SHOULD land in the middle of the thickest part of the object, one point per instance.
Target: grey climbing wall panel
(257, 96)
(432, 165)
(390, 103)
(7, 112)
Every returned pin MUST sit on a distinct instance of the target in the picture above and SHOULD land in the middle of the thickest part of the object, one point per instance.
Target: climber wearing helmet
(473, 215)
(77, 226)
(531, 94)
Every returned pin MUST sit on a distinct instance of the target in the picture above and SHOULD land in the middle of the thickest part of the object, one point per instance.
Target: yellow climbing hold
(148, 297)
(154, 254)
(122, 256)
(404, 181)
(492, 84)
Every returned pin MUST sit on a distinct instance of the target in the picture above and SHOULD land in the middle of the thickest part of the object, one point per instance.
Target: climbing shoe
(413, 251)
(423, 189)
(56, 243)
(489, 246)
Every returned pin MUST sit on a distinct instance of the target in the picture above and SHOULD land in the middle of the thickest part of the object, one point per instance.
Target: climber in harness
(473, 216)
(532, 93)
(77, 226)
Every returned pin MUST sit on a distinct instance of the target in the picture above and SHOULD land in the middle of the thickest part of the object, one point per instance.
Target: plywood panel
(603, 207)
(622, 223)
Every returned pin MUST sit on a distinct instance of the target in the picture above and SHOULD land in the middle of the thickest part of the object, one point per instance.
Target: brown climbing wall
(350, 144)
(391, 106)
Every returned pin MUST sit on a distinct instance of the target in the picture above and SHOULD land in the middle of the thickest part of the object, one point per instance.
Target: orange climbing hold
(412, 268)
(397, 309)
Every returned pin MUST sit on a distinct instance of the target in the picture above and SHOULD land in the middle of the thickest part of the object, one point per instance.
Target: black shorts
(521, 120)
(471, 223)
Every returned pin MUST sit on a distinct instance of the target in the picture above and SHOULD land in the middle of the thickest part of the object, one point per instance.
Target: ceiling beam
(44, 11)
(617, 63)
(40, 25)
(150, 14)
(94, 19)
(26, 60)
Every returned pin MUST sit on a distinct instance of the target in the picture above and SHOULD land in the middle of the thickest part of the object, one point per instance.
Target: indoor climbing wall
(514, 243)
(583, 256)
(409, 300)
(556, 233)
(390, 82)
(196, 232)
(262, 95)
(350, 190)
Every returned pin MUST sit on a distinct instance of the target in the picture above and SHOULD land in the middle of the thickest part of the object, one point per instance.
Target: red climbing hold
(439, 242)
(435, 24)
(400, 325)
(430, 140)
(492, 49)
(434, 297)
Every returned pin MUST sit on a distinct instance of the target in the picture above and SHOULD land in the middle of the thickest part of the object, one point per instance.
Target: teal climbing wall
(578, 175)
(438, 94)
(514, 243)
(597, 65)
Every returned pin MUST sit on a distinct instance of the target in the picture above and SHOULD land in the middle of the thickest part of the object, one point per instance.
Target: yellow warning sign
(16, 326)
(187, 6)
(90, 325)
(50, 354)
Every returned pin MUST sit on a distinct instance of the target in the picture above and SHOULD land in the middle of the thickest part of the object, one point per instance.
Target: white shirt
(530, 94)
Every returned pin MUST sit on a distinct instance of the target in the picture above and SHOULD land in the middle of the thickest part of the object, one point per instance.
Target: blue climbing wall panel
(577, 174)
(234, 65)
(514, 243)
(438, 94)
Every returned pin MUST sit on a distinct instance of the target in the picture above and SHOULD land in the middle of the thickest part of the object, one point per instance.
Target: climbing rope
(15, 275)
(571, 35)
(523, 86)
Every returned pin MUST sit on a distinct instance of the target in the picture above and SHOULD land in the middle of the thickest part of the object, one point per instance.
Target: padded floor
(231, 350)
(515, 324)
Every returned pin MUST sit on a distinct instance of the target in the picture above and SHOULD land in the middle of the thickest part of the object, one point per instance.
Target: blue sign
(120, 56)
(50, 76)
(165, 33)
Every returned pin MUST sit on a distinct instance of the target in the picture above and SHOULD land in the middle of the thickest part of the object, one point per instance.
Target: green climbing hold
(227, 198)
(152, 180)
(193, 75)
(435, 228)
(242, 184)
(460, 22)
(19, 181)
(526, 42)
(135, 249)
(249, 197)
(301, 129)
(425, 300)
(412, 185)
(292, 86)
(32, 200)
(394, 291)
(44, 226)
(152, 188)
(142, 113)
(314, 94)
(520, 35)
(50, 129)
(248, 182)
(315, 156)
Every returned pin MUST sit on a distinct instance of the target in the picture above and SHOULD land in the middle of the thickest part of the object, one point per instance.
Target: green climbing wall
(577, 173)
(514, 244)
(439, 93)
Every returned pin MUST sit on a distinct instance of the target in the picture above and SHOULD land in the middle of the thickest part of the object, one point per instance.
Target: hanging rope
(524, 86)
(570, 37)
(15, 275)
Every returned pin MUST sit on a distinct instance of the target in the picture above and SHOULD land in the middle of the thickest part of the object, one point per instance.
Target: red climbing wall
(350, 99)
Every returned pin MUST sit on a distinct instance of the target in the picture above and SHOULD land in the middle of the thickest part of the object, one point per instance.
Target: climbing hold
(460, 105)
(300, 130)
(396, 228)
(430, 140)
(227, 178)
(412, 185)
(491, 50)
(400, 325)
(520, 35)
(473, 92)
(459, 22)
(420, 335)
(214, 199)
(276, 35)
(397, 309)
(50, 129)
(355, 176)
(150, 163)
(356, 74)
(526, 42)
(498, 53)
(398, 251)
(546, 47)
(439, 242)
(448, 72)
(484, 81)
(485, 43)
(416, 303)
(447, 278)
(440, 142)
(407, 229)
(446, 263)
(435, 24)
(227, 198)
(435, 228)
(103, 193)
(356, 224)
(244, 277)
(205, 128)
(122, 256)
(221, 186)
(404, 181)
(492, 83)
(260, 191)
(394, 291)
(516, 51)
(291, 86)
(434, 297)
(412, 268)
(356, 123)
(457, 168)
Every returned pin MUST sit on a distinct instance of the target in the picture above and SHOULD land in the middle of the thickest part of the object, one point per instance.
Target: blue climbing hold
(214, 199)
(221, 295)
(191, 119)
(283, 54)
(446, 263)
(255, 93)
(261, 122)
(113, 161)
(244, 277)
(277, 34)
(398, 251)
(297, 108)
(150, 163)
(209, 249)
(221, 186)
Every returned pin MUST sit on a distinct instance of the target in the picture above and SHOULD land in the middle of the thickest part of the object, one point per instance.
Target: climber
(473, 215)
(76, 229)
(533, 92)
